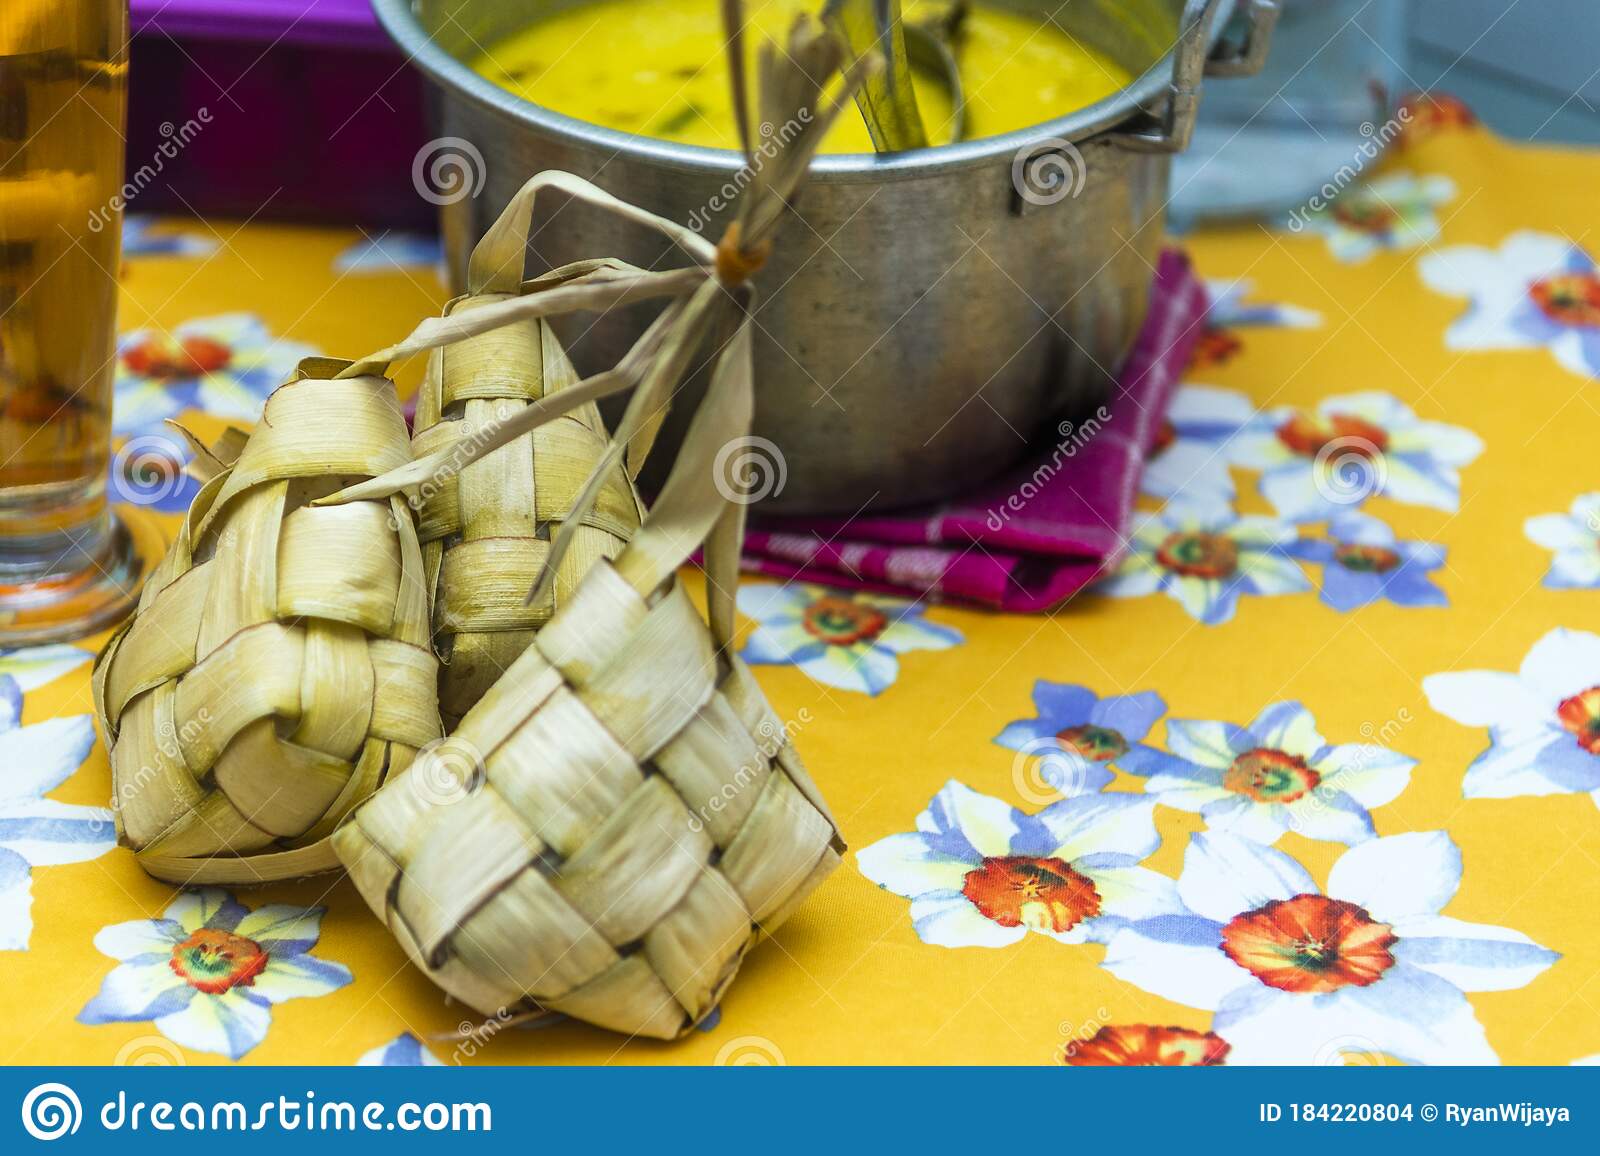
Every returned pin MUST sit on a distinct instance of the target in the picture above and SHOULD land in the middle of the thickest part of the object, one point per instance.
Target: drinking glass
(67, 566)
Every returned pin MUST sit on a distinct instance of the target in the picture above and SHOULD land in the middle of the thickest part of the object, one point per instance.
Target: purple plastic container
(298, 109)
(335, 23)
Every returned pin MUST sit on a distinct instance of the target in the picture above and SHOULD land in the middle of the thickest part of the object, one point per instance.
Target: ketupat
(486, 530)
(278, 666)
(611, 828)
(622, 815)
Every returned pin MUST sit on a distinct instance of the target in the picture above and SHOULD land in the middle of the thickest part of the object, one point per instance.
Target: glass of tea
(67, 566)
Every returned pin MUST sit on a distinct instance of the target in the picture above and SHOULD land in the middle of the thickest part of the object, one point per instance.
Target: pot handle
(1172, 122)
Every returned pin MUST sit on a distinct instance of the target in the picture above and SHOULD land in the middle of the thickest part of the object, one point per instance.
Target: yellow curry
(657, 68)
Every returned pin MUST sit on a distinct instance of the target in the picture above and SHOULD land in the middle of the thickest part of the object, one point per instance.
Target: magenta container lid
(335, 23)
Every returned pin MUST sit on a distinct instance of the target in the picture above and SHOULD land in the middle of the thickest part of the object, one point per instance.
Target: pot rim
(451, 74)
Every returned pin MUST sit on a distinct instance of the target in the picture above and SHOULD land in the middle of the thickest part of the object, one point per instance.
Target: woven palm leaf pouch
(486, 531)
(278, 666)
(622, 815)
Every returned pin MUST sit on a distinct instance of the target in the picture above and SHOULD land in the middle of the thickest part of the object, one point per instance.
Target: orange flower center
(843, 621)
(1433, 112)
(1580, 714)
(1309, 436)
(1365, 214)
(1310, 944)
(1367, 559)
(1195, 554)
(1569, 298)
(1045, 894)
(1215, 347)
(1140, 1045)
(215, 961)
(163, 357)
(1166, 434)
(1270, 776)
(1096, 743)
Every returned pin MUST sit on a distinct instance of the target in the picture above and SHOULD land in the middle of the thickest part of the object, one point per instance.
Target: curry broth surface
(657, 68)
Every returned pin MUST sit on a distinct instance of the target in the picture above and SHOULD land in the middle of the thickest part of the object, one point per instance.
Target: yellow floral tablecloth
(1312, 778)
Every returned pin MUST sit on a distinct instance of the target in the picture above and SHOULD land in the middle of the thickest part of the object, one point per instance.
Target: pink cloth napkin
(1037, 535)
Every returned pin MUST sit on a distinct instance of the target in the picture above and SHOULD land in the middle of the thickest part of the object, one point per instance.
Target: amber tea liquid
(63, 96)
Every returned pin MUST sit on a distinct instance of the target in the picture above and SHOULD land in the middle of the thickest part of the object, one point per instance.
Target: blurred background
(1528, 70)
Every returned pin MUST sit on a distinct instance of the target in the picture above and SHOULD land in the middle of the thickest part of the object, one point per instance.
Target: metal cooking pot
(930, 312)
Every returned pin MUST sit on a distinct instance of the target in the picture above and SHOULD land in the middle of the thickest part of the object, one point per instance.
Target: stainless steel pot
(929, 313)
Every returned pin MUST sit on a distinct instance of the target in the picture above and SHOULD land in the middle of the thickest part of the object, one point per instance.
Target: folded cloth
(1034, 537)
